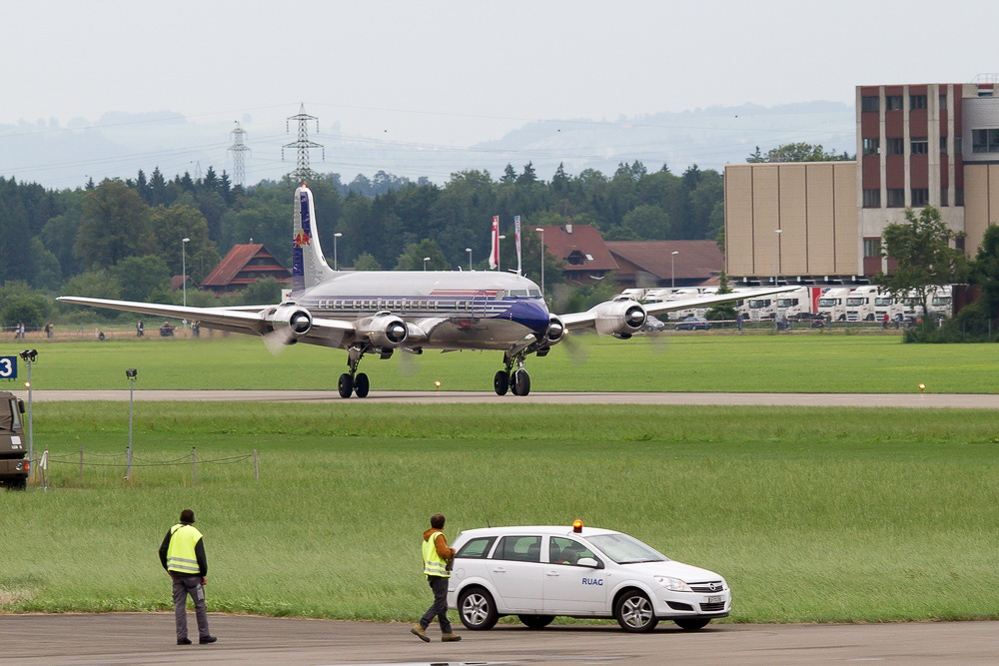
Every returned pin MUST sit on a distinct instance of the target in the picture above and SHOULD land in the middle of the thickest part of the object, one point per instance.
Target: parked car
(539, 572)
(693, 324)
(653, 325)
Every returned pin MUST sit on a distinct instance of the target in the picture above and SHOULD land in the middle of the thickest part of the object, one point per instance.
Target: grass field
(681, 362)
(812, 515)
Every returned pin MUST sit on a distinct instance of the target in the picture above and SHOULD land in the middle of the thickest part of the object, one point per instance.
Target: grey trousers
(439, 609)
(183, 586)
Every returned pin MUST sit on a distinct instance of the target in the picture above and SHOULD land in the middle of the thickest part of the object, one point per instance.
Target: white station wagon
(539, 572)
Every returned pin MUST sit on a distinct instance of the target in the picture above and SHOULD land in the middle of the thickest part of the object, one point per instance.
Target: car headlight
(673, 584)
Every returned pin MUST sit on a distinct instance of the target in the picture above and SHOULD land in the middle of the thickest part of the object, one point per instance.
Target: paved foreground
(910, 400)
(147, 638)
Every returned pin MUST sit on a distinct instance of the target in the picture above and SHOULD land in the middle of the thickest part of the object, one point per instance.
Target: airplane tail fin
(309, 266)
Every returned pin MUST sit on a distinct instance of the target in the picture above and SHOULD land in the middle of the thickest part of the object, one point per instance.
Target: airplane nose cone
(531, 314)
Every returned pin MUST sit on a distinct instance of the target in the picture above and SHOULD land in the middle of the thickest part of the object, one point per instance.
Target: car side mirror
(20, 405)
(589, 562)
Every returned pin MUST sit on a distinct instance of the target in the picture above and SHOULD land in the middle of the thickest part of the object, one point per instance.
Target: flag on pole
(516, 230)
(494, 253)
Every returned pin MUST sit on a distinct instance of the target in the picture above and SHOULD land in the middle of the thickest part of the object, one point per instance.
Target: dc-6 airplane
(379, 312)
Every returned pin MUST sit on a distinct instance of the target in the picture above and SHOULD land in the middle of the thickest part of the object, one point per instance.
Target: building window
(896, 198)
(872, 198)
(893, 103)
(895, 146)
(943, 196)
(920, 197)
(920, 146)
(985, 141)
(871, 146)
(958, 145)
(917, 102)
(869, 104)
(872, 247)
(943, 102)
(958, 196)
(943, 145)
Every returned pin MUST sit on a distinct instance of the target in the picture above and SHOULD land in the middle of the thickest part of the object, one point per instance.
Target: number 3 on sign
(8, 367)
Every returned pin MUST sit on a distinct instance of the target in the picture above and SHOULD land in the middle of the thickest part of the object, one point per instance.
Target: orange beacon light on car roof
(577, 525)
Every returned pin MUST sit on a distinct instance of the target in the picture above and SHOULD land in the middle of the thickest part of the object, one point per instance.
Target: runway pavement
(147, 638)
(909, 400)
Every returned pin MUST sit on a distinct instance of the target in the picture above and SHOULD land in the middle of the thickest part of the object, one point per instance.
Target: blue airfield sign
(8, 367)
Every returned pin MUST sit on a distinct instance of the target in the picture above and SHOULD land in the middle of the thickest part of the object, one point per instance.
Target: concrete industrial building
(821, 222)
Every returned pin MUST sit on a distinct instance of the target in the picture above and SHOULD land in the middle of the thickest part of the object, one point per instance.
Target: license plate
(715, 600)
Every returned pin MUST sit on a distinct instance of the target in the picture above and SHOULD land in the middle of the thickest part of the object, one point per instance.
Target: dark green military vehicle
(14, 463)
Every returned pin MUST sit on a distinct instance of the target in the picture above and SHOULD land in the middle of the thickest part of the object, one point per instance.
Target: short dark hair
(187, 516)
(437, 521)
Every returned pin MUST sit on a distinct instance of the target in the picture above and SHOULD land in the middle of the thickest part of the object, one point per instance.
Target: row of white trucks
(834, 304)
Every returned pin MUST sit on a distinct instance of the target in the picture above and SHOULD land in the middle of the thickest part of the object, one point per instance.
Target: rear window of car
(476, 548)
(520, 548)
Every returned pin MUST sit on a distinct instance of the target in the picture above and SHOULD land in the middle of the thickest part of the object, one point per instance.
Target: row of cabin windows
(872, 103)
(920, 196)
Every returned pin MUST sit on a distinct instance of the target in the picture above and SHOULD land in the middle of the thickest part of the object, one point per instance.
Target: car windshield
(625, 549)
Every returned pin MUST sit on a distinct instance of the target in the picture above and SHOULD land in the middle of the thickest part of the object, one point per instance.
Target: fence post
(256, 469)
(194, 462)
(81, 463)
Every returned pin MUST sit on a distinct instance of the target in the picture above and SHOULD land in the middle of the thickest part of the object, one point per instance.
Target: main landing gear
(517, 381)
(353, 381)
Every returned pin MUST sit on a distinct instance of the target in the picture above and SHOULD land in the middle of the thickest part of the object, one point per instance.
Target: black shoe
(204, 640)
(183, 641)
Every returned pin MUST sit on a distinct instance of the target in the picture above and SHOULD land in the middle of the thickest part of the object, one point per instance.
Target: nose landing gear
(517, 381)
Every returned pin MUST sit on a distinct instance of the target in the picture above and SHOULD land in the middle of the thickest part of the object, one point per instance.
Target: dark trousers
(183, 586)
(439, 610)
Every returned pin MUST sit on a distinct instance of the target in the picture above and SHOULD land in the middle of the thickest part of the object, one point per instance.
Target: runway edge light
(577, 525)
(922, 387)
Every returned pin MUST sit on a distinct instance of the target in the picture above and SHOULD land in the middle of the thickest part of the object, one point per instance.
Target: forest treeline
(122, 238)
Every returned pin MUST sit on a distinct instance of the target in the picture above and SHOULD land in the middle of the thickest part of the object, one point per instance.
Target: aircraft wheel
(521, 382)
(361, 385)
(501, 382)
(345, 385)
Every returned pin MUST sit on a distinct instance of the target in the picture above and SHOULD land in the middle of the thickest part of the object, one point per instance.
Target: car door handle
(552, 572)
(499, 570)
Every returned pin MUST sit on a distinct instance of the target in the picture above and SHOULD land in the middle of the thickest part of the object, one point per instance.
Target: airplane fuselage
(456, 310)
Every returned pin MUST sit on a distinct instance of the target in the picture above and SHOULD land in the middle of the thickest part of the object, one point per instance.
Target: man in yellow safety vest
(437, 559)
(182, 554)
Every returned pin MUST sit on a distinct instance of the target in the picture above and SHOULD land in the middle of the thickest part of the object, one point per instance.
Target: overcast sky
(457, 72)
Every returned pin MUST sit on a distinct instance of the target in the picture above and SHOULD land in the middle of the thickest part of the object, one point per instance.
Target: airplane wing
(286, 321)
(623, 315)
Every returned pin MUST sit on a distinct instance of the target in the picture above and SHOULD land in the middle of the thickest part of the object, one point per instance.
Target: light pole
(541, 231)
(130, 373)
(335, 236)
(672, 269)
(183, 265)
(776, 273)
(469, 251)
(425, 260)
(29, 356)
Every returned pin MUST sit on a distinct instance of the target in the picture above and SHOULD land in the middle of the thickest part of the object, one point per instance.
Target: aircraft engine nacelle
(384, 330)
(621, 317)
(293, 320)
(556, 330)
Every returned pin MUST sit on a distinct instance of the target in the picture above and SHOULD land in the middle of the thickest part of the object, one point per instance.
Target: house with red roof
(245, 264)
(647, 264)
(583, 250)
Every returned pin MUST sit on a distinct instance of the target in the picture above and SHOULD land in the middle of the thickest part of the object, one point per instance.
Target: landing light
(577, 526)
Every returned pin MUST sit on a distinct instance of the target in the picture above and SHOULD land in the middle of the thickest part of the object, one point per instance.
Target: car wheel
(692, 623)
(536, 621)
(477, 609)
(633, 611)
